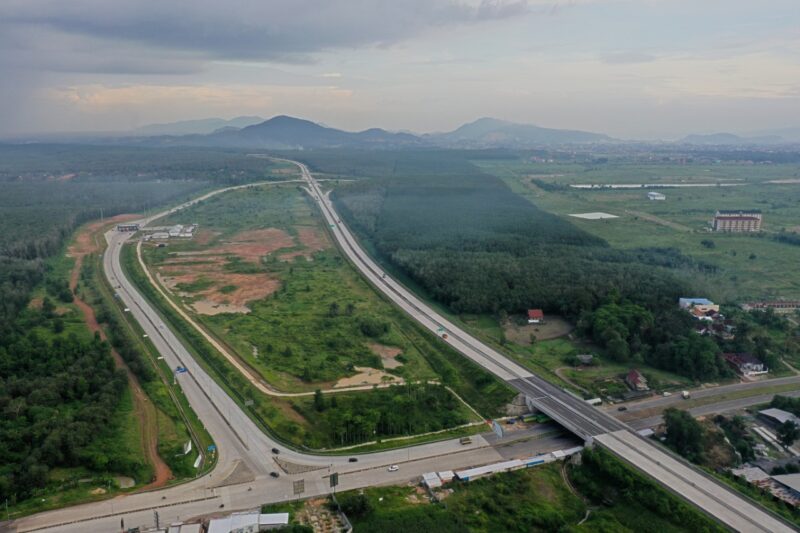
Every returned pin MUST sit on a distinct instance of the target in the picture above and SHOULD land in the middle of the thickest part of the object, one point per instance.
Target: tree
(333, 310)
(788, 432)
(319, 401)
(684, 434)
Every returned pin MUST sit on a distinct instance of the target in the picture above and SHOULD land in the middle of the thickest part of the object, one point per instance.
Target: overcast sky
(635, 69)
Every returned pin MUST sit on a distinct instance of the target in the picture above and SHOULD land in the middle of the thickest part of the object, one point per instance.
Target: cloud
(276, 30)
(622, 58)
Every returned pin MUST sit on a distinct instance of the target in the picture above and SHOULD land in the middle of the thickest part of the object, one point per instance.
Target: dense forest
(57, 389)
(474, 245)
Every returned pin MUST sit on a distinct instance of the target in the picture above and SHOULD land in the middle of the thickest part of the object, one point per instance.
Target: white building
(656, 196)
(248, 522)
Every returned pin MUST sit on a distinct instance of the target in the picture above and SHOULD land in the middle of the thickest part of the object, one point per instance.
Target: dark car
(353, 459)
(274, 474)
(276, 451)
(622, 408)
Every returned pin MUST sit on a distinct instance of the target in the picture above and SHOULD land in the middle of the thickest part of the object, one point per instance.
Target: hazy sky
(638, 68)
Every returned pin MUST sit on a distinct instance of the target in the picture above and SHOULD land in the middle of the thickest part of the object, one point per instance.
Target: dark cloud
(275, 30)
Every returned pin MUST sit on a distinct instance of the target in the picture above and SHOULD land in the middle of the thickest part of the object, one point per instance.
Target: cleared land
(315, 325)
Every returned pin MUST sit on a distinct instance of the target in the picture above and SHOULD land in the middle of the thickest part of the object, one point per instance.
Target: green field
(748, 266)
(321, 324)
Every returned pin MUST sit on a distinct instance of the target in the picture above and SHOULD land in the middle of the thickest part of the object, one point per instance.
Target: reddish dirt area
(312, 241)
(86, 243)
(252, 245)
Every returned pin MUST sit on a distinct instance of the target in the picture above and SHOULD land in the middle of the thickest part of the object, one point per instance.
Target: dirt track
(85, 243)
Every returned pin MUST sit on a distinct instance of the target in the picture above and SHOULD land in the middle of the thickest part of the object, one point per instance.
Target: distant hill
(491, 132)
(289, 132)
(729, 139)
(196, 127)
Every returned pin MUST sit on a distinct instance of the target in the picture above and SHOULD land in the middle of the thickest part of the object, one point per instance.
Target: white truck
(685, 395)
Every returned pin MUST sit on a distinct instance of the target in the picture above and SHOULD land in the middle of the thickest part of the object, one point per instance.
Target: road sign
(212, 447)
(334, 479)
(299, 486)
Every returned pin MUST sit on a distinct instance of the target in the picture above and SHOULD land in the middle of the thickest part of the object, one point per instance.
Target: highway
(241, 479)
(593, 425)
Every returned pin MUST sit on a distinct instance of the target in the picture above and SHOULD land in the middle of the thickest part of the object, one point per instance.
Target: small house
(636, 381)
(535, 316)
(585, 358)
(745, 364)
(656, 196)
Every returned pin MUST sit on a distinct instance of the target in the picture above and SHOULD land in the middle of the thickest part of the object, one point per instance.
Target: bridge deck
(707, 494)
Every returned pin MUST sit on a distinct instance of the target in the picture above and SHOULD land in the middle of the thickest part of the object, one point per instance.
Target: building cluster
(784, 486)
(737, 221)
(779, 306)
(708, 319)
(178, 231)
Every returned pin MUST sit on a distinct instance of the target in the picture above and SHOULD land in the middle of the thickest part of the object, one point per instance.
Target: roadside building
(737, 221)
(656, 196)
(777, 416)
(780, 306)
(788, 488)
(248, 522)
(745, 363)
(636, 381)
(127, 227)
(585, 358)
(535, 316)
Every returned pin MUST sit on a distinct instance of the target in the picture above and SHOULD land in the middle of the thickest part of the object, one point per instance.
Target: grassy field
(748, 266)
(536, 499)
(318, 323)
(321, 320)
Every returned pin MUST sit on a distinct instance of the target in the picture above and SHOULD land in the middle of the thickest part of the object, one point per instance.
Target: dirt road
(86, 243)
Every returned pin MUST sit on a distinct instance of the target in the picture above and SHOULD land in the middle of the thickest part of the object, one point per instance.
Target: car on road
(276, 451)
(353, 460)
(274, 474)
(393, 468)
(465, 440)
(622, 408)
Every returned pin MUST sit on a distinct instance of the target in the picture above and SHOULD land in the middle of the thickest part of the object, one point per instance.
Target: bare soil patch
(312, 241)
(367, 376)
(213, 301)
(553, 328)
(388, 354)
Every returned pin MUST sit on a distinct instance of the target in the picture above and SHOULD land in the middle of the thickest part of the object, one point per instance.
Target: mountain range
(284, 132)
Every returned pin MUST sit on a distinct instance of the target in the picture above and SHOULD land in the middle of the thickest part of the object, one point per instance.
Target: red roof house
(535, 316)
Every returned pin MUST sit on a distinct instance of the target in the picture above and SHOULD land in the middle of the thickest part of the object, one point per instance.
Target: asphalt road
(575, 414)
(241, 479)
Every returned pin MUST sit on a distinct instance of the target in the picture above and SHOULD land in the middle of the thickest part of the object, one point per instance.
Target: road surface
(587, 422)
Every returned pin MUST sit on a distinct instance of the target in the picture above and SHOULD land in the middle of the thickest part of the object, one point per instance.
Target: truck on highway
(685, 395)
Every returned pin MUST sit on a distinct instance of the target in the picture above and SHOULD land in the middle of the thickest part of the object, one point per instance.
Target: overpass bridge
(592, 425)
